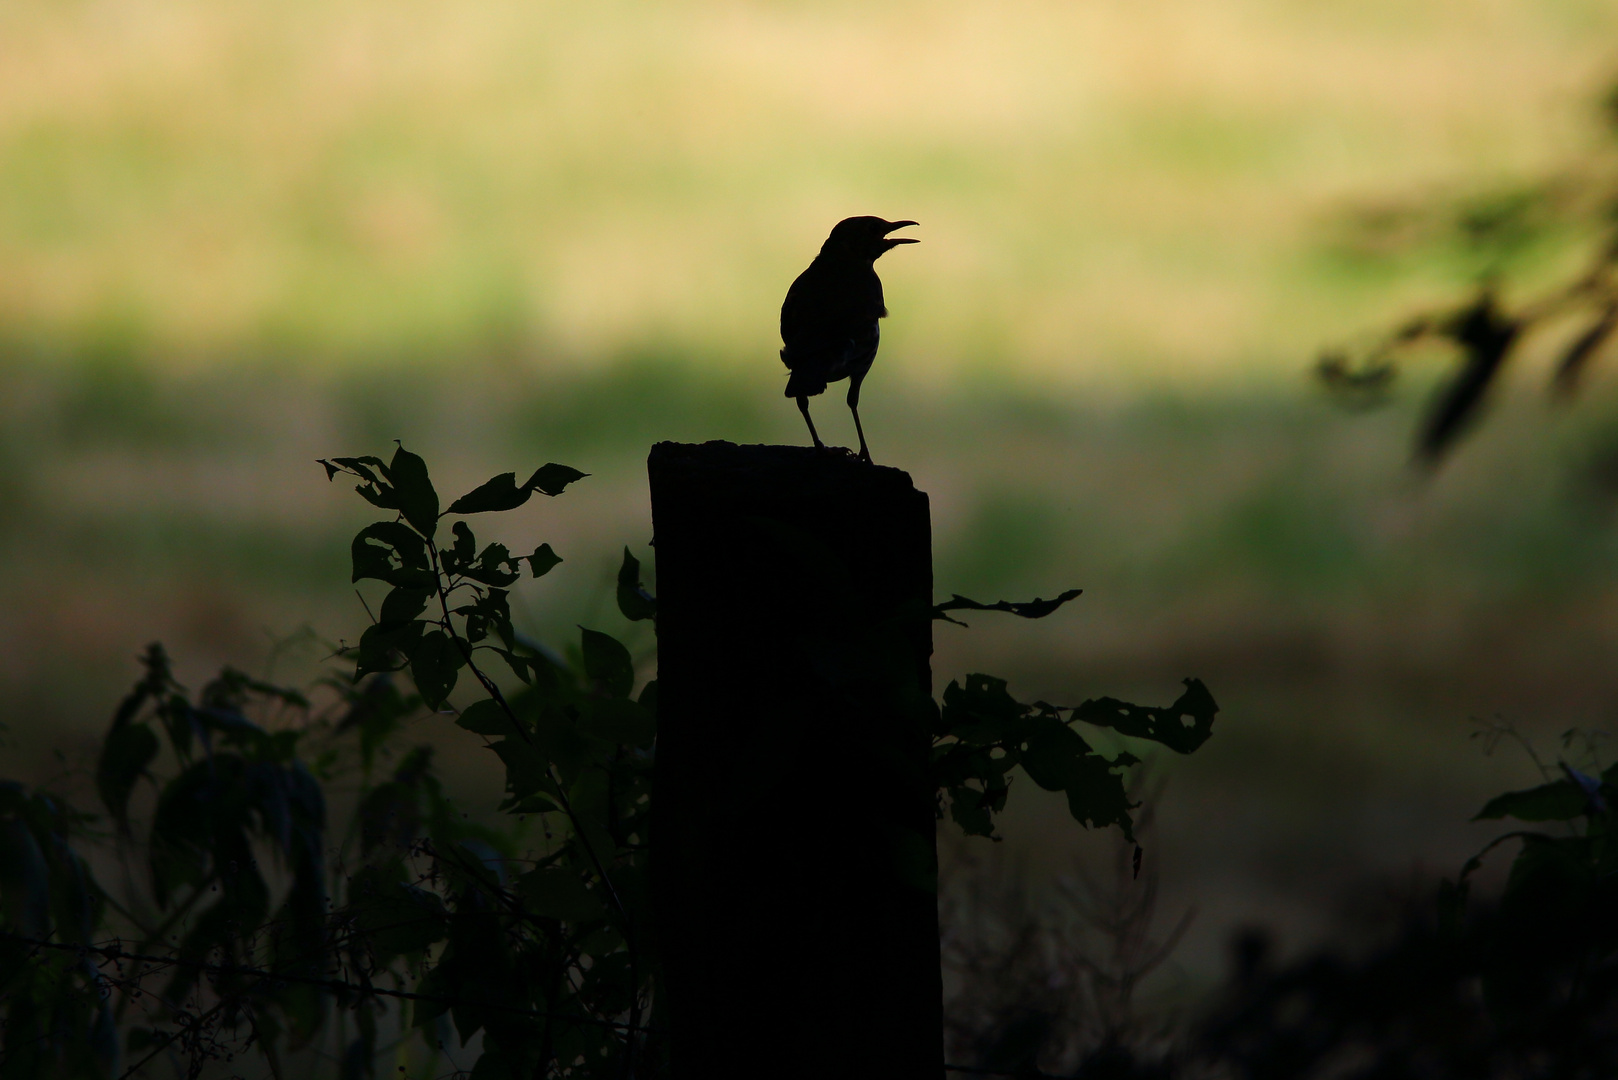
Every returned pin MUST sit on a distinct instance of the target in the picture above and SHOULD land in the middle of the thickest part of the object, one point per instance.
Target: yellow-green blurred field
(236, 236)
(1104, 187)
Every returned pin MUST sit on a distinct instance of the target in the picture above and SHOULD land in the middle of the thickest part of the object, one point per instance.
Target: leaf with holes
(1182, 727)
(389, 551)
(1053, 756)
(552, 478)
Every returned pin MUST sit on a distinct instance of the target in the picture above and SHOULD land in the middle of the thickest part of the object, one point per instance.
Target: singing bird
(829, 319)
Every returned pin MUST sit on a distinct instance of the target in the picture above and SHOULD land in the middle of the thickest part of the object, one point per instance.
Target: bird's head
(864, 238)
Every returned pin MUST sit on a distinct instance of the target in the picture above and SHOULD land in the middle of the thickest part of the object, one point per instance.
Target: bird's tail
(805, 384)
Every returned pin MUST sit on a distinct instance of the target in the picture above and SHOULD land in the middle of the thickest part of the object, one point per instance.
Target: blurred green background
(238, 235)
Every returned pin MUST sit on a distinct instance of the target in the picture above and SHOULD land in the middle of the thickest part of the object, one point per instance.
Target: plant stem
(517, 725)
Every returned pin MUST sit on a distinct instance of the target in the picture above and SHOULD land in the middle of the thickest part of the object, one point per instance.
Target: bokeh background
(238, 235)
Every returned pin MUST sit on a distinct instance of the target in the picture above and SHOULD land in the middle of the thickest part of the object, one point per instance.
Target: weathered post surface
(793, 854)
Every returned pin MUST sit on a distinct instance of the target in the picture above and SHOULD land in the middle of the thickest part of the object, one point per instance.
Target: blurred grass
(1197, 523)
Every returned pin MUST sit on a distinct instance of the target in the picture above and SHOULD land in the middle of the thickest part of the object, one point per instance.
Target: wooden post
(794, 865)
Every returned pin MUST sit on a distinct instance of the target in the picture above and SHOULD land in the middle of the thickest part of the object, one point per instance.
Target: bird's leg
(803, 407)
(854, 407)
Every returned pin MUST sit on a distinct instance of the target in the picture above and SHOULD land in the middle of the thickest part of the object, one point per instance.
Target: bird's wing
(804, 313)
(829, 316)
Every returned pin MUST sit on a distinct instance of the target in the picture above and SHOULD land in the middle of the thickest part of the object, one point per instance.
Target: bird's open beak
(893, 240)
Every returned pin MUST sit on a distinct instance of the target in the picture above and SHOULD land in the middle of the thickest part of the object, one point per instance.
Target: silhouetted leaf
(982, 711)
(125, 755)
(1560, 800)
(25, 897)
(1051, 758)
(618, 720)
(633, 600)
(495, 566)
(382, 496)
(386, 648)
(496, 607)
(1096, 796)
(202, 814)
(559, 894)
(434, 663)
(1182, 727)
(376, 488)
(557, 732)
(485, 717)
(542, 561)
(607, 663)
(519, 665)
(553, 479)
(402, 605)
(389, 551)
(359, 466)
(1595, 799)
(500, 493)
(462, 551)
(527, 770)
(418, 502)
(156, 682)
(1027, 609)
(972, 811)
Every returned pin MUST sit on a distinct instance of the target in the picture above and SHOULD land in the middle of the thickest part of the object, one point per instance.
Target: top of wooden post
(771, 464)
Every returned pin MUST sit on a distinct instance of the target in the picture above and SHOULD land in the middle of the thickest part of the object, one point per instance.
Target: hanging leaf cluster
(983, 734)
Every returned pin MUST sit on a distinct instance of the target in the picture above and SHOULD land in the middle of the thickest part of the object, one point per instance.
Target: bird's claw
(844, 452)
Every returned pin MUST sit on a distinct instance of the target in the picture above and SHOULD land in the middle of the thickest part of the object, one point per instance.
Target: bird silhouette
(829, 319)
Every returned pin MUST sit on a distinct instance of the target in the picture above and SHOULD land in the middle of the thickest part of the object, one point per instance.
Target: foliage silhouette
(1523, 986)
(258, 926)
(1495, 233)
